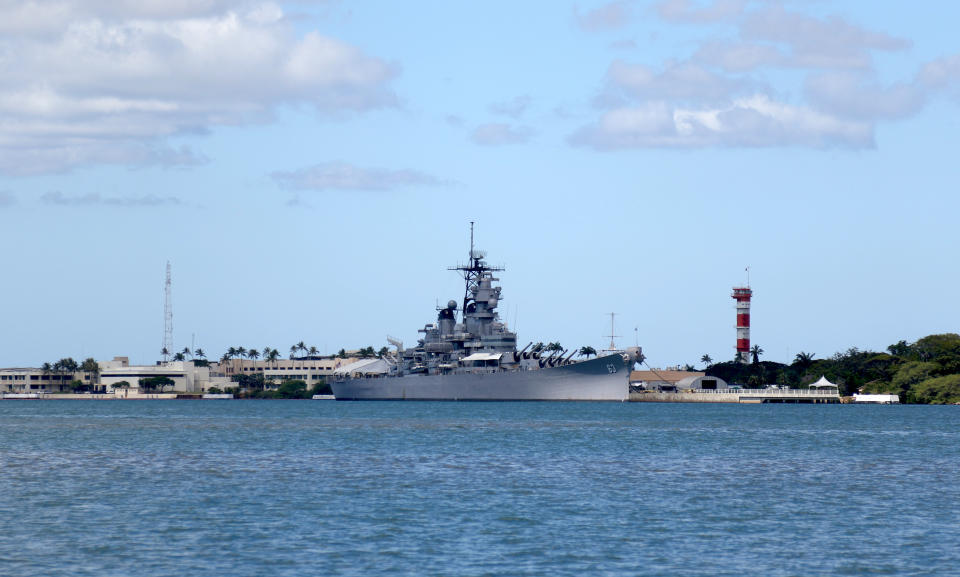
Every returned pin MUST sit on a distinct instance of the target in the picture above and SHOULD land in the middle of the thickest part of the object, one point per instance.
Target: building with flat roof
(309, 370)
(33, 380)
(186, 376)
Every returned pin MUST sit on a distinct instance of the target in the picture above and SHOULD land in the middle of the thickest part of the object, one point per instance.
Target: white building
(186, 377)
(877, 399)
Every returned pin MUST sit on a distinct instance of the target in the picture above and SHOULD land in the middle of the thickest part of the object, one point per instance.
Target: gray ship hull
(600, 379)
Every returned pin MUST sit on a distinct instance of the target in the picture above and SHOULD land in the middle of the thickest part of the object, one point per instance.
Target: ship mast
(472, 272)
(612, 335)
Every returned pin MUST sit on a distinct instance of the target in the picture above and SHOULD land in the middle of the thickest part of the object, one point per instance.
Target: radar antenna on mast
(475, 268)
(612, 335)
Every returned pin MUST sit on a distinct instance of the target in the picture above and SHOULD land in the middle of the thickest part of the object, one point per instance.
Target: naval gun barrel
(566, 361)
(558, 360)
(517, 356)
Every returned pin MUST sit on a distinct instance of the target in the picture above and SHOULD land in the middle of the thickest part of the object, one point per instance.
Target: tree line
(925, 372)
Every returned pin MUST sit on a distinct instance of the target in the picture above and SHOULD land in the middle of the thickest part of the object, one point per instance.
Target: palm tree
(313, 352)
(293, 351)
(199, 354)
(302, 347)
(803, 360)
(179, 357)
(272, 356)
(253, 354)
(587, 351)
(241, 352)
(90, 366)
(164, 353)
(756, 351)
(186, 351)
(706, 360)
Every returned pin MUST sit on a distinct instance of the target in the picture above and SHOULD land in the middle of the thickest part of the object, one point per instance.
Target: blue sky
(310, 170)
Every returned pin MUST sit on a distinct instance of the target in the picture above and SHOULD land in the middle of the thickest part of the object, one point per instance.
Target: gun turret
(518, 355)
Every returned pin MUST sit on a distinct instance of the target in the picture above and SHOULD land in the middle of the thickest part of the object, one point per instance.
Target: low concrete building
(876, 399)
(33, 380)
(186, 376)
(661, 379)
(312, 371)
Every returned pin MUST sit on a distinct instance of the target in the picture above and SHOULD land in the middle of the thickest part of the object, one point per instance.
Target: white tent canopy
(363, 367)
(823, 383)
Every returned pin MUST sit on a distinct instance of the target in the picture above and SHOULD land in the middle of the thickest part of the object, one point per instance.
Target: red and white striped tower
(742, 296)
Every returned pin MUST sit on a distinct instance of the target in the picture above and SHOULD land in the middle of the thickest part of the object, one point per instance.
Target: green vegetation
(154, 383)
(120, 385)
(295, 389)
(255, 387)
(926, 372)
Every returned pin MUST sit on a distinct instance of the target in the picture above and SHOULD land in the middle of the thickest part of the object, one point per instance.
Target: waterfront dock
(752, 396)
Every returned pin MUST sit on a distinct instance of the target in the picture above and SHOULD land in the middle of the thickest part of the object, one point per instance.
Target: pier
(752, 396)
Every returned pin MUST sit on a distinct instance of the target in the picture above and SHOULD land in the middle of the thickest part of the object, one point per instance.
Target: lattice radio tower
(167, 317)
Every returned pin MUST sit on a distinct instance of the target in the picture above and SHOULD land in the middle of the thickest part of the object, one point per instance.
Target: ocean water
(237, 488)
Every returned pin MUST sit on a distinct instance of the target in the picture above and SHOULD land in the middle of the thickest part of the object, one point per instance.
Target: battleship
(475, 358)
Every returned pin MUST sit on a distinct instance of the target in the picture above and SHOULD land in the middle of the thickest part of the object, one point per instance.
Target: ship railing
(783, 392)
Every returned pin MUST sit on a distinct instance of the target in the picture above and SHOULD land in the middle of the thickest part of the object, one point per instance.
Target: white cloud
(738, 56)
(514, 108)
(57, 198)
(683, 81)
(723, 97)
(606, 17)
(344, 176)
(498, 134)
(86, 83)
(687, 11)
(752, 122)
(818, 43)
(854, 95)
(942, 73)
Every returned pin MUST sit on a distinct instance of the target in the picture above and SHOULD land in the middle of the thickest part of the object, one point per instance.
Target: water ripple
(294, 488)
